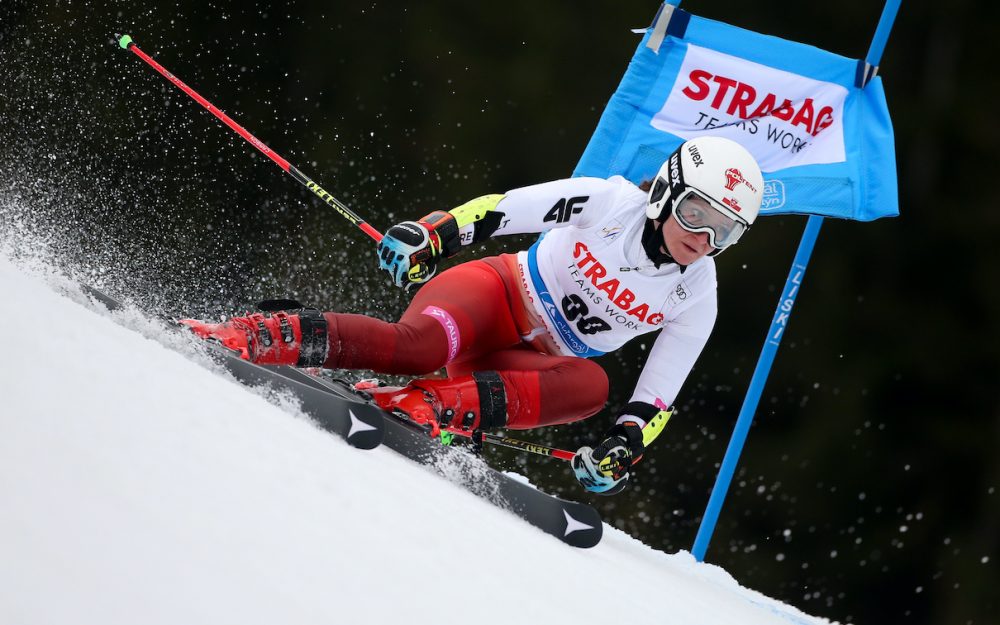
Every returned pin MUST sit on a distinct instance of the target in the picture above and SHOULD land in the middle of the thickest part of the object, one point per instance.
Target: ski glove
(410, 251)
(605, 469)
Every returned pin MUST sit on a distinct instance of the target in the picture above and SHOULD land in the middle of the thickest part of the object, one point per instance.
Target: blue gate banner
(824, 143)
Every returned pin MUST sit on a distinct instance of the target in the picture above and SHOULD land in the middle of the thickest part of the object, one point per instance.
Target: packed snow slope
(138, 486)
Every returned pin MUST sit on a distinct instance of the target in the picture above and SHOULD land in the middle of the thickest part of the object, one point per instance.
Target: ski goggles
(697, 213)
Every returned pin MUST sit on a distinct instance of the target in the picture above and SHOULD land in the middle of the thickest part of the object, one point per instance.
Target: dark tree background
(867, 491)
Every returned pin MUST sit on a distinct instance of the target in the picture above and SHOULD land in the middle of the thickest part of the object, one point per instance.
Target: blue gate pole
(778, 323)
(756, 389)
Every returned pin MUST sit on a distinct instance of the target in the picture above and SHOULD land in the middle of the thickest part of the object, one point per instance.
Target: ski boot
(296, 337)
(458, 405)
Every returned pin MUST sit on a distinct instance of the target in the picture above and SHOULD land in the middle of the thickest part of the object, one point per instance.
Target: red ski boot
(459, 405)
(279, 338)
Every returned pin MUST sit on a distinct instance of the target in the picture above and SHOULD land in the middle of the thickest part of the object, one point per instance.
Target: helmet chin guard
(720, 172)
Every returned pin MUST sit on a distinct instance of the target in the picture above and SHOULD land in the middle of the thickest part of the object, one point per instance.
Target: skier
(515, 331)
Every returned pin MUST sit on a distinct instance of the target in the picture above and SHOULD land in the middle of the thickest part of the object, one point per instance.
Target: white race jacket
(593, 286)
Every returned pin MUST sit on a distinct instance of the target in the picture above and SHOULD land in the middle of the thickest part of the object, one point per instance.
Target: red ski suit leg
(549, 389)
(463, 319)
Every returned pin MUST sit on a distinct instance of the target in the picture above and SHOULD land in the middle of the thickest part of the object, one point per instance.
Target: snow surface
(138, 487)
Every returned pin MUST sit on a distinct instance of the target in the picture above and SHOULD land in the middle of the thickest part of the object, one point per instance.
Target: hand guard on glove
(410, 251)
(605, 469)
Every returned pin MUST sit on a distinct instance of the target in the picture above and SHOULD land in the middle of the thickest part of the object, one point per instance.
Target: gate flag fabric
(825, 144)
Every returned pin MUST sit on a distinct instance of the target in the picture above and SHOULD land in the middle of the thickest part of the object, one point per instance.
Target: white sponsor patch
(679, 295)
(784, 119)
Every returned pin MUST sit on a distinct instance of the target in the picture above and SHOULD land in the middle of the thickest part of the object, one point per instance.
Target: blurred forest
(867, 492)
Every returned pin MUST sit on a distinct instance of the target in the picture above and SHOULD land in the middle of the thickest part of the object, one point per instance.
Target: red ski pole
(126, 43)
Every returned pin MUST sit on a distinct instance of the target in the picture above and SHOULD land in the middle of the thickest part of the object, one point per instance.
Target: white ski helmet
(712, 170)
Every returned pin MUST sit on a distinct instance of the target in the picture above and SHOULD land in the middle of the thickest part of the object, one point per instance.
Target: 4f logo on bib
(566, 208)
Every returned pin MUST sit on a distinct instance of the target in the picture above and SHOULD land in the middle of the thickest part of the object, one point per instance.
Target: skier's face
(684, 246)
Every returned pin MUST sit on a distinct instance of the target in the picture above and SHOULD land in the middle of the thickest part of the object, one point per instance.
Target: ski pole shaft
(126, 43)
(649, 433)
(533, 448)
(513, 443)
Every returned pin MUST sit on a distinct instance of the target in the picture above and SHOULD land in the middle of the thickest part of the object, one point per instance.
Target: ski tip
(124, 41)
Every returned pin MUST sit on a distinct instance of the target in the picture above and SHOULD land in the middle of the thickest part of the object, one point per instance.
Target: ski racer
(515, 331)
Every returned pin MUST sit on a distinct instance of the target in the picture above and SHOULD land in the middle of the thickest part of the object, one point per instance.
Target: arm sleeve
(538, 208)
(674, 353)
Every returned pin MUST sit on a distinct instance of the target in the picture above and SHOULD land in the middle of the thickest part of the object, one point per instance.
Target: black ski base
(575, 524)
(358, 422)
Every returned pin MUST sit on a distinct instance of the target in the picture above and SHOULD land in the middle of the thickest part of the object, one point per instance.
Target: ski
(358, 422)
(574, 523)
